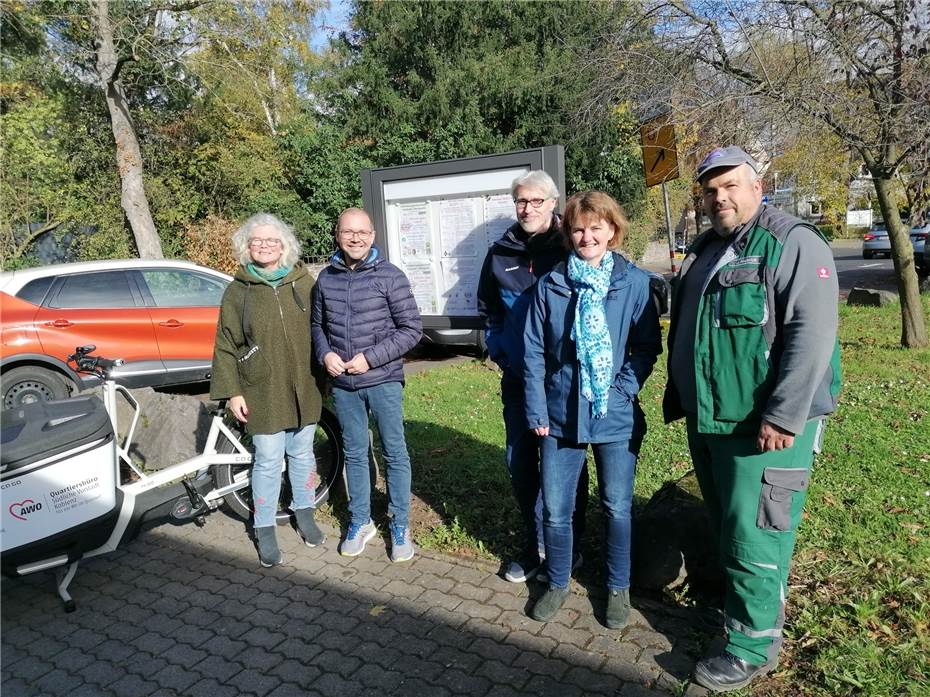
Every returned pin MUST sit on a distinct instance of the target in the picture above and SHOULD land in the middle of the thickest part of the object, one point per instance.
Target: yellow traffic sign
(660, 154)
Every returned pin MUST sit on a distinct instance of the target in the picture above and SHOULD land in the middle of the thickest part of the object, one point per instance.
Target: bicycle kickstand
(64, 578)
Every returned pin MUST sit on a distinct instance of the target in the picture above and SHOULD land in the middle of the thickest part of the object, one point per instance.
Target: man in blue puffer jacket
(528, 249)
(364, 320)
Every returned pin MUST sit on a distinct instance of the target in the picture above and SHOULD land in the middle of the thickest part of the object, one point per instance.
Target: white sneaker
(524, 569)
(356, 538)
(401, 546)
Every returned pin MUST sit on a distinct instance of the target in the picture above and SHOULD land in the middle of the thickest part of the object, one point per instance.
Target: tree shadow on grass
(462, 499)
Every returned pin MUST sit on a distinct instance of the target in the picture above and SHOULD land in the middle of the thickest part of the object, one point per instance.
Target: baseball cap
(730, 156)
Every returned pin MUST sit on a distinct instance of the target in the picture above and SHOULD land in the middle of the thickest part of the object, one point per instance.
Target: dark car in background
(919, 236)
(924, 264)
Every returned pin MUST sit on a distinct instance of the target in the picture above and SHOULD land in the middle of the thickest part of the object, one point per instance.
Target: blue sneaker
(356, 538)
(401, 546)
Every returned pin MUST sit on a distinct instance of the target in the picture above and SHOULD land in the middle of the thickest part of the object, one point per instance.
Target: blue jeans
(266, 471)
(386, 403)
(522, 459)
(562, 463)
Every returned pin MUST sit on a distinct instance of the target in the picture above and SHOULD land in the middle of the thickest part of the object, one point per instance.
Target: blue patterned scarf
(590, 332)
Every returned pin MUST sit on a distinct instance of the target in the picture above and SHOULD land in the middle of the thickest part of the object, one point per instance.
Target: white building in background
(781, 193)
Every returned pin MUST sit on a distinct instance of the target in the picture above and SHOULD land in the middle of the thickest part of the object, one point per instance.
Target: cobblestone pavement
(187, 611)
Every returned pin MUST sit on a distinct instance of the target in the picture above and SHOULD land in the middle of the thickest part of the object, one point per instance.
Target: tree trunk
(128, 156)
(913, 326)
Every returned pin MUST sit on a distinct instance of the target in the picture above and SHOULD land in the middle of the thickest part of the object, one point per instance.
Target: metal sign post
(668, 226)
(660, 162)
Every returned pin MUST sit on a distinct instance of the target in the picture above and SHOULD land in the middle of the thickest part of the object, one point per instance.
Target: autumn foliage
(208, 242)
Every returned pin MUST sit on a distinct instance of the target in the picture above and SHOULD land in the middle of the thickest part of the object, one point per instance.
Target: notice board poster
(414, 230)
(440, 237)
(498, 216)
(437, 220)
(442, 244)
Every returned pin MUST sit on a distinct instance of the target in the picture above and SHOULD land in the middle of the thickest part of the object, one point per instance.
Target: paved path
(187, 611)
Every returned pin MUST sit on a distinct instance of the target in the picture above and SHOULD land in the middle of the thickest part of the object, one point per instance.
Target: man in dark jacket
(527, 250)
(754, 368)
(364, 320)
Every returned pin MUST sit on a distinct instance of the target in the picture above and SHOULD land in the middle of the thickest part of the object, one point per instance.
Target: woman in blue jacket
(592, 337)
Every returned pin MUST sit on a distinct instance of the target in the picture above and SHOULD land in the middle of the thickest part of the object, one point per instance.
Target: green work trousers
(755, 502)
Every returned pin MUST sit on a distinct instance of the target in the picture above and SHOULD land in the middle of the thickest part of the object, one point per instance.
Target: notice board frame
(451, 179)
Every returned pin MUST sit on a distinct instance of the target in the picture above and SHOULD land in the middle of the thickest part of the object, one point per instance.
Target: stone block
(871, 297)
(672, 541)
(171, 427)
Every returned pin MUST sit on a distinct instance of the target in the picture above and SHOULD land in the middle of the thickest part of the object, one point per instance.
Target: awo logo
(22, 509)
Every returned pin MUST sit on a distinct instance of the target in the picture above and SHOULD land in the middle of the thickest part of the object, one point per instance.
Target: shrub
(208, 243)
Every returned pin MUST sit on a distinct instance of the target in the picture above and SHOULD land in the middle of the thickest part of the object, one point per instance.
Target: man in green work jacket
(754, 368)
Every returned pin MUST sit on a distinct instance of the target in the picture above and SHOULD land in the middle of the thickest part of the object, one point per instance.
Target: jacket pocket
(742, 376)
(253, 366)
(742, 298)
(779, 485)
(622, 395)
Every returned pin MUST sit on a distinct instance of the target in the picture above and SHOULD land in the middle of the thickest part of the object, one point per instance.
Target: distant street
(851, 268)
(855, 271)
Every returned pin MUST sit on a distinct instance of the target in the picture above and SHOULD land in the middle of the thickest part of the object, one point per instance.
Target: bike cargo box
(57, 480)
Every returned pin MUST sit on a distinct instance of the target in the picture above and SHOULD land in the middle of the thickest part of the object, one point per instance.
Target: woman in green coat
(262, 366)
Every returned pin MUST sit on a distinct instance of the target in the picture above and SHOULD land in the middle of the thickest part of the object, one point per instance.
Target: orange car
(158, 316)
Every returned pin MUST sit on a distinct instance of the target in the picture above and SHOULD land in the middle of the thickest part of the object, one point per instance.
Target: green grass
(859, 611)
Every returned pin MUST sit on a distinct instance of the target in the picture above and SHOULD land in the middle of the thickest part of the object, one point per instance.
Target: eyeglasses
(534, 202)
(360, 234)
(264, 242)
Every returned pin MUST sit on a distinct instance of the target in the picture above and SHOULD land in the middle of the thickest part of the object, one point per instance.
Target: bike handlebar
(96, 365)
(108, 364)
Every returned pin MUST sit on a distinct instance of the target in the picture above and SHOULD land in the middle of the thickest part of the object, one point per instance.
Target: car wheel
(29, 384)
(868, 255)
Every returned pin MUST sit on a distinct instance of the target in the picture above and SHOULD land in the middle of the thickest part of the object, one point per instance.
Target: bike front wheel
(327, 450)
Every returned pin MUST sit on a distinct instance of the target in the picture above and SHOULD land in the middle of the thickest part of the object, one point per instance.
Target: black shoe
(307, 527)
(268, 553)
(727, 672)
(618, 608)
(549, 604)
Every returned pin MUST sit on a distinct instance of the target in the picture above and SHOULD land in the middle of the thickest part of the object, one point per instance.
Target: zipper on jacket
(349, 352)
(290, 348)
(281, 313)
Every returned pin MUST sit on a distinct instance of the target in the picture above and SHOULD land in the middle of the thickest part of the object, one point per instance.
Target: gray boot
(268, 552)
(618, 608)
(308, 528)
(548, 605)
